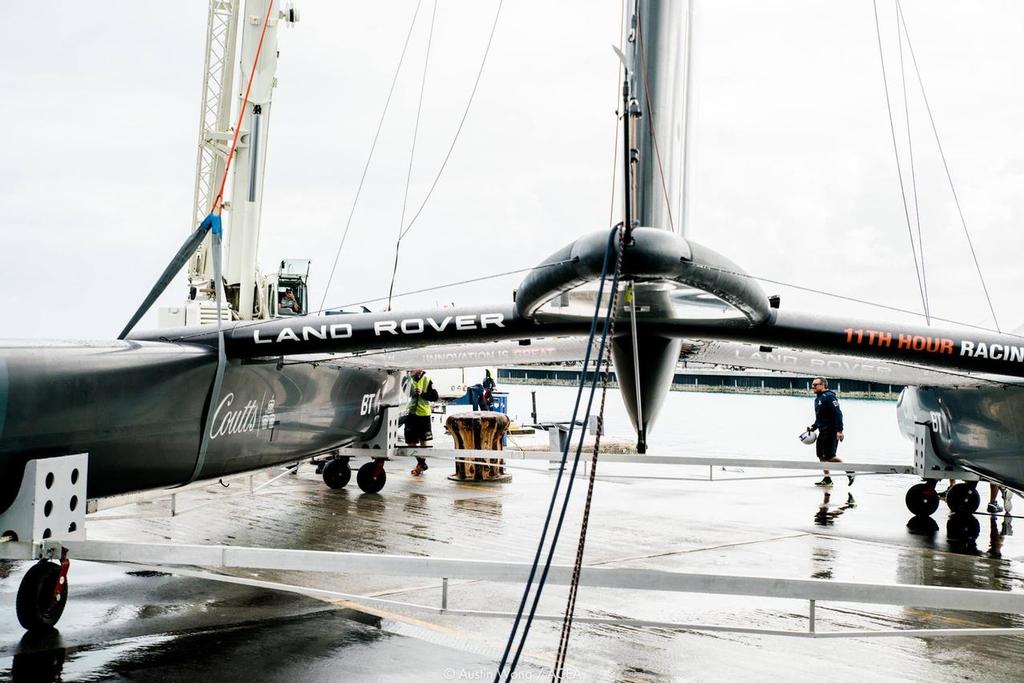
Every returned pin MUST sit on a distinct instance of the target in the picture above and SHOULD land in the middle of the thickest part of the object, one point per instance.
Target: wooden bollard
(479, 430)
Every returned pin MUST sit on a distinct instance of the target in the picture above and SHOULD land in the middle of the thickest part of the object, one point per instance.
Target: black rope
(369, 158)
(574, 584)
(558, 480)
(945, 165)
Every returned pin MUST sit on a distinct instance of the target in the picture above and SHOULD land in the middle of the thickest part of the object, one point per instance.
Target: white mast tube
(247, 170)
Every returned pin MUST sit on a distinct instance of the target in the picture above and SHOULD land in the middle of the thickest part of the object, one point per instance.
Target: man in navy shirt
(828, 420)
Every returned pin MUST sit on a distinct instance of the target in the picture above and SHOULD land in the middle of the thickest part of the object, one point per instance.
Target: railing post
(174, 501)
(810, 623)
(444, 592)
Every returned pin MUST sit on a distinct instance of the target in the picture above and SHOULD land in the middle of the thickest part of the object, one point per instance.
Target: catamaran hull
(980, 429)
(138, 409)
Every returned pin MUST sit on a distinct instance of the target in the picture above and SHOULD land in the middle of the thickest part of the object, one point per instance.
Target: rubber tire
(921, 500)
(37, 610)
(337, 474)
(963, 499)
(366, 480)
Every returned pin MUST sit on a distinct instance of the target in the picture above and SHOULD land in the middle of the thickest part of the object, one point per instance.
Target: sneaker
(1007, 500)
(994, 507)
(825, 483)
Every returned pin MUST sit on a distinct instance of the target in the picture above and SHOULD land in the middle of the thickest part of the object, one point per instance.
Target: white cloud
(793, 162)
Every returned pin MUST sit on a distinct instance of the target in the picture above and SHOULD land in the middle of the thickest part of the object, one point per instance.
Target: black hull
(138, 410)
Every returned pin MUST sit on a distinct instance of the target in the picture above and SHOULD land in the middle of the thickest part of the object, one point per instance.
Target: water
(731, 425)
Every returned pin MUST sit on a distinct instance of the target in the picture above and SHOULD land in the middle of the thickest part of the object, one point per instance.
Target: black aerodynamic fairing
(679, 290)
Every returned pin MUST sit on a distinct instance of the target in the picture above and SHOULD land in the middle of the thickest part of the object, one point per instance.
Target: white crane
(245, 185)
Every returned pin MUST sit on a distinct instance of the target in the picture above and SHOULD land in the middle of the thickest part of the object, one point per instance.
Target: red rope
(218, 202)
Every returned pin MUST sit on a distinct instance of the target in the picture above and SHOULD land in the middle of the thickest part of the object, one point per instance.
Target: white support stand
(51, 501)
(386, 439)
(927, 462)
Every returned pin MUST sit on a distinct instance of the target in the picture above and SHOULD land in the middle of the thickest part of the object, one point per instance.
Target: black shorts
(826, 445)
(417, 429)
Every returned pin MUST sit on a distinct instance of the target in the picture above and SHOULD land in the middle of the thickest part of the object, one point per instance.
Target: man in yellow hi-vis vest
(417, 418)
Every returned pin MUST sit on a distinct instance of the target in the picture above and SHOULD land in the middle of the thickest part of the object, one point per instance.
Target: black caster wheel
(963, 499)
(40, 602)
(371, 477)
(922, 500)
(337, 473)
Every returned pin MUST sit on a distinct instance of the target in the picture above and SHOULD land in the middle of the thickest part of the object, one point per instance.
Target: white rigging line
(949, 177)
(369, 158)
(899, 170)
(412, 153)
(913, 172)
(462, 122)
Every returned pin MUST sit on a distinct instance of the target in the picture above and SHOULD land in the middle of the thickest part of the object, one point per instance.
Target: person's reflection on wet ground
(997, 531)
(826, 514)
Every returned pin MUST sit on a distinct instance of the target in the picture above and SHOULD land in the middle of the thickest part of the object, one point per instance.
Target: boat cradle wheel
(922, 499)
(40, 603)
(371, 476)
(337, 473)
(963, 499)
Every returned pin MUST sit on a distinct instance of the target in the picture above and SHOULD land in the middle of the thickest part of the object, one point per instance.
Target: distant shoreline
(714, 389)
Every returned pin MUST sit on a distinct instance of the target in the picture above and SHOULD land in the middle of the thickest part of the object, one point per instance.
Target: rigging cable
(462, 122)
(899, 170)
(369, 158)
(574, 584)
(913, 171)
(620, 231)
(212, 221)
(945, 165)
(423, 290)
(412, 153)
(843, 297)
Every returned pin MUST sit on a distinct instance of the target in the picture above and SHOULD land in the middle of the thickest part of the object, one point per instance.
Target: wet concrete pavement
(121, 626)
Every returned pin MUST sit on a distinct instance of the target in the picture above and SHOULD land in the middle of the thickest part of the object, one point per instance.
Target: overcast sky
(794, 172)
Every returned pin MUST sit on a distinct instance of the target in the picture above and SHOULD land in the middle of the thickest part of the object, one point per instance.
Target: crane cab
(286, 293)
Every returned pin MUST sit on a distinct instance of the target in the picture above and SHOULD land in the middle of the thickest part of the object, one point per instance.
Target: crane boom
(218, 114)
(214, 124)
